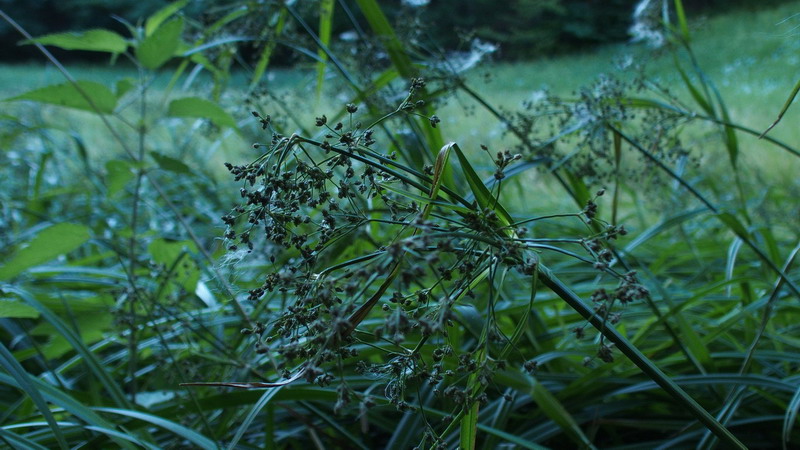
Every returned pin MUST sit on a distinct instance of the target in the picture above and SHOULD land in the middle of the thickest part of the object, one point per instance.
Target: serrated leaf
(159, 47)
(100, 98)
(51, 242)
(17, 310)
(92, 40)
(171, 164)
(201, 109)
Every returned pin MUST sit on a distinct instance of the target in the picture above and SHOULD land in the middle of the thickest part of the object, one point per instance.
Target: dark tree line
(522, 28)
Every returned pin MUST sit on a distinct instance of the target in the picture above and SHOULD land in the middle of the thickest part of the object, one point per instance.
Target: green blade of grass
(683, 25)
(325, 27)
(10, 364)
(553, 409)
(78, 345)
(483, 197)
(192, 436)
(468, 433)
(352, 440)
(251, 416)
(698, 97)
(383, 29)
(269, 48)
(70, 405)
(426, 200)
(722, 379)
(19, 442)
(785, 108)
(790, 418)
(638, 358)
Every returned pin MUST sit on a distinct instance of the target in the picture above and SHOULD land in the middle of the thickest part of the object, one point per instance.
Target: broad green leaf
(159, 47)
(51, 242)
(201, 109)
(118, 173)
(92, 40)
(17, 310)
(171, 255)
(171, 164)
(88, 96)
(124, 86)
(154, 22)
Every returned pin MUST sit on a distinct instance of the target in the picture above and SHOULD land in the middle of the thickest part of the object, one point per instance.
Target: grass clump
(355, 280)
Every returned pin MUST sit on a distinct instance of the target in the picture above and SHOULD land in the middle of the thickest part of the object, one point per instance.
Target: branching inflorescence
(351, 230)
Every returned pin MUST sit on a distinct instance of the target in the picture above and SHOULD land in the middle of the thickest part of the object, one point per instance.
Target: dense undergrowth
(618, 277)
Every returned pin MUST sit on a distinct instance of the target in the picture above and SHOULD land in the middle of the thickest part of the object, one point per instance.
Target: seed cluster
(578, 132)
(366, 265)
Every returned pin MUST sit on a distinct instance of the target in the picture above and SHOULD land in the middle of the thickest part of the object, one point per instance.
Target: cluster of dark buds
(501, 161)
(352, 234)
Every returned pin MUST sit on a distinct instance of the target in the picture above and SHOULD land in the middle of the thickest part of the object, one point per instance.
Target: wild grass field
(616, 269)
(752, 57)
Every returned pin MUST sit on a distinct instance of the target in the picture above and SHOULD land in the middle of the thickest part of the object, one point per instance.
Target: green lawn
(753, 58)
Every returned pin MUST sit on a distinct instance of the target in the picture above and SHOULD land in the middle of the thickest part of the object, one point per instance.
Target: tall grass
(491, 299)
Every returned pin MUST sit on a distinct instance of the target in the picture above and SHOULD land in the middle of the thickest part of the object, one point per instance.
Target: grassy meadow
(752, 57)
(624, 277)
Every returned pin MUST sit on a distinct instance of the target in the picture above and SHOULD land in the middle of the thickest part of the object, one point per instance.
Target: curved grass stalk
(638, 358)
(726, 218)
